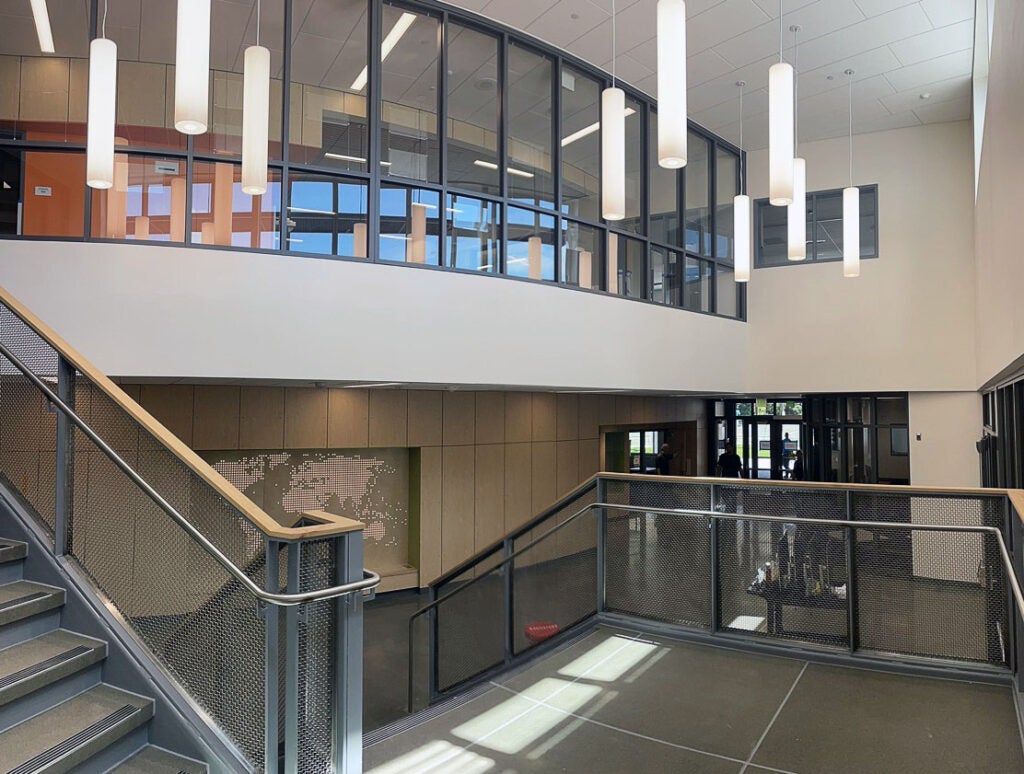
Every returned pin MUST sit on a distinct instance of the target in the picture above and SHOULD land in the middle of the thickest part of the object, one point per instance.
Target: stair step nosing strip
(35, 669)
(67, 746)
(19, 601)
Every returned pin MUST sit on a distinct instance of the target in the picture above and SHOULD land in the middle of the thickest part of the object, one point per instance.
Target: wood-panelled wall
(489, 460)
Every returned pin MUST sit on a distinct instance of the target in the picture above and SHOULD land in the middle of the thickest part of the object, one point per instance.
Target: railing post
(64, 479)
(851, 585)
(602, 547)
(291, 665)
(433, 670)
(348, 658)
(713, 590)
(508, 601)
(271, 671)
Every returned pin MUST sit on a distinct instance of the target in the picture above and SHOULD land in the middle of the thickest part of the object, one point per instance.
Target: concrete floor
(620, 701)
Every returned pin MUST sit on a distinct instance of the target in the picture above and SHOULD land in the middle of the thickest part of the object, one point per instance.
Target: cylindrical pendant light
(796, 214)
(192, 67)
(418, 238)
(255, 119)
(586, 269)
(613, 154)
(741, 213)
(358, 240)
(780, 129)
(613, 263)
(534, 246)
(851, 210)
(102, 101)
(177, 225)
(613, 145)
(672, 83)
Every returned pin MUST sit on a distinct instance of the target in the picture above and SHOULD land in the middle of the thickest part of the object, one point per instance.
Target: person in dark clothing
(798, 466)
(664, 460)
(729, 464)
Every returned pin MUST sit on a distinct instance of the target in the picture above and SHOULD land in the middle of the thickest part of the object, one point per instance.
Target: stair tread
(156, 760)
(48, 654)
(12, 550)
(23, 598)
(35, 736)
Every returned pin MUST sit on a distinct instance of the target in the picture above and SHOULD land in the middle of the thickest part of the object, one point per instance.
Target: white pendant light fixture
(851, 210)
(780, 129)
(672, 83)
(613, 145)
(796, 216)
(741, 213)
(99, 153)
(192, 67)
(255, 115)
(43, 31)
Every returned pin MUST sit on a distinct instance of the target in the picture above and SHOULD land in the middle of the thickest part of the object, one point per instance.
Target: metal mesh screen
(659, 566)
(936, 594)
(555, 581)
(28, 425)
(783, 580)
(470, 626)
(317, 625)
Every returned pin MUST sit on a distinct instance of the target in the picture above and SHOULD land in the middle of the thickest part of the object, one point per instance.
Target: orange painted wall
(62, 213)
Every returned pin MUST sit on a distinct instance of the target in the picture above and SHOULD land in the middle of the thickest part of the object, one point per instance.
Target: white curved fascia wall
(165, 313)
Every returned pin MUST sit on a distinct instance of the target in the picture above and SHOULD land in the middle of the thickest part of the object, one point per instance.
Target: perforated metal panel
(470, 627)
(317, 635)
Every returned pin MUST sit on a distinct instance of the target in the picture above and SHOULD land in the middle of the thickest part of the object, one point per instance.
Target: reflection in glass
(697, 285)
(727, 296)
(474, 233)
(581, 145)
(472, 110)
(664, 193)
(727, 177)
(328, 110)
(582, 256)
(698, 214)
(147, 201)
(625, 266)
(772, 235)
(409, 225)
(530, 174)
(666, 276)
(634, 167)
(326, 215)
(531, 245)
(223, 215)
(409, 134)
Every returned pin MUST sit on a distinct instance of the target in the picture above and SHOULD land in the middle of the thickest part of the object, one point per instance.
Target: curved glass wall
(460, 144)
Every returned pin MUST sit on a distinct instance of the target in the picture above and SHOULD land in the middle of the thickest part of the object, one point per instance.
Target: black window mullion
(374, 35)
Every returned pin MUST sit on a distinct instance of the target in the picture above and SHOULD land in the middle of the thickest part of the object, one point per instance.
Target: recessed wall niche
(369, 485)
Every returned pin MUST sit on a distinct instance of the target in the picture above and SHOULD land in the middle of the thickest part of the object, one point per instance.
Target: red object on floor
(538, 631)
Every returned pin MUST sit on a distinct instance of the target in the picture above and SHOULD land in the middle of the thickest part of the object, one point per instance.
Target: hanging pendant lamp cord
(780, 31)
(258, 22)
(103, 28)
(613, 44)
(796, 94)
(851, 131)
(743, 160)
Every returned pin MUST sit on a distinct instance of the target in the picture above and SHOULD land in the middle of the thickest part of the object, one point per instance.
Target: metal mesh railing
(181, 564)
(829, 567)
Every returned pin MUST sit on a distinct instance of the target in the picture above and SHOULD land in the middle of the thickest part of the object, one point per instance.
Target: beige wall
(949, 423)
(999, 234)
(489, 460)
(907, 323)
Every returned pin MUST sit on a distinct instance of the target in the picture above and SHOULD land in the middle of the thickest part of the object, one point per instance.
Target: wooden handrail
(249, 510)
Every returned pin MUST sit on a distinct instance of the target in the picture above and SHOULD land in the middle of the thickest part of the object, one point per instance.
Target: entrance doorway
(767, 446)
(634, 449)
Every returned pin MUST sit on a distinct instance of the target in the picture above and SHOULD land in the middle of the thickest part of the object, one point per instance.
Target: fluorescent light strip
(310, 210)
(42, 19)
(390, 41)
(356, 159)
(375, 384)
(510, 170)
(587, 130)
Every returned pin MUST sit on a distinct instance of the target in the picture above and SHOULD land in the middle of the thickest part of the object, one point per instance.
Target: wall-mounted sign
(166, 167)
(44, 190)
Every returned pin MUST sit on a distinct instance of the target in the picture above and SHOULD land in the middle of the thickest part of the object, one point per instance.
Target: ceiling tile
(942, 91)
(879, 7)
(815, 20)
(928, 45)
(771, 7)
(518, 14)
(943, 12)
(704, 66)
(557, 26)
(865, 65)
(725, 113)
(954, 110)
(866, 35)
(938, 69)
(630, 70)
(723, 88)
(722, 22)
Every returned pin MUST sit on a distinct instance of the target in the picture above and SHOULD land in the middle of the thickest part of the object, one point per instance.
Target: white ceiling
(900, 49)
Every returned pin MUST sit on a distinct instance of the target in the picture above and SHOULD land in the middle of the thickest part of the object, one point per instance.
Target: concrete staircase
(56, 712)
